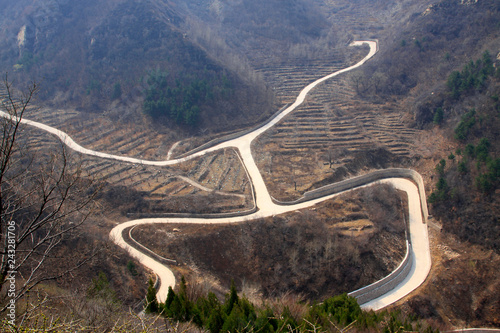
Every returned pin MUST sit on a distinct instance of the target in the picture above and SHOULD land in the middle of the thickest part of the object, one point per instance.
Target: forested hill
(104, 55)
(97, 55)
(445, 67)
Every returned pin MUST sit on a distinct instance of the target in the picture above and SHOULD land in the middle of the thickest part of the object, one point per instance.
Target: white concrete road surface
(266, 207)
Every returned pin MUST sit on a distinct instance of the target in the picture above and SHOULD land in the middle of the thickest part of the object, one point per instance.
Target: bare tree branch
(44, 199)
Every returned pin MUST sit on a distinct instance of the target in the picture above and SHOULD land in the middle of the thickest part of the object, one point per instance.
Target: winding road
(419, 245)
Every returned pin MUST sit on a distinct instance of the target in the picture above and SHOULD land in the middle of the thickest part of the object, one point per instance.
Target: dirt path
(266, 206)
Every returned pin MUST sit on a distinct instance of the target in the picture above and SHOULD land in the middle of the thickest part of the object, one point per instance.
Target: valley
(265, 205)
(275, 156)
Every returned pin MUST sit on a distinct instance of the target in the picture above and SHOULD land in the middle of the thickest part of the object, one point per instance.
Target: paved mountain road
(266, 207)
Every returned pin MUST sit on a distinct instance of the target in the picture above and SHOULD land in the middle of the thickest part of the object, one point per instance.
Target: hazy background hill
(97, 56)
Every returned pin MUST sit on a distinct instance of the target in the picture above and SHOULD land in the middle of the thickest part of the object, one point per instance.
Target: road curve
(420, 266)
(266, 207)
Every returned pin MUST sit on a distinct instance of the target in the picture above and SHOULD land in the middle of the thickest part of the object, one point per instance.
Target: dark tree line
(238, 314)
(181, 101)
(472, 77)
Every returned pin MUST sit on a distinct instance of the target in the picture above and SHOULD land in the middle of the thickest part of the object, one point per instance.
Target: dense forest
(181, 102)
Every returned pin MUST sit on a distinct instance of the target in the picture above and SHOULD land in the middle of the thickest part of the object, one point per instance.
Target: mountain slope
(91, 54)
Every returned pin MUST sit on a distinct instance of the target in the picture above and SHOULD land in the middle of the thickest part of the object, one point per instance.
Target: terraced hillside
(104, 134)
(322, 135)
(370, 18)
(213, 183)
(288, 78)
(326, 133)
(216, 184)
(150, 187)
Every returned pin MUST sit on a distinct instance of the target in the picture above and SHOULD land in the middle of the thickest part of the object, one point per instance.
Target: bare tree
(44, 198)
(294, 260)
(330, 156)
(329, 251)
(357, 81)
(361, 83)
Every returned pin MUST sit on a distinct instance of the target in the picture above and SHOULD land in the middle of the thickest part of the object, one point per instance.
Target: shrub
(463, 128)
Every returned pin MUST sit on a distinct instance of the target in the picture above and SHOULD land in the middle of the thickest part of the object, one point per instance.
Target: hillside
(451, 90)
(101, 56)
(443, 70)
(153, 79)
(313, 253)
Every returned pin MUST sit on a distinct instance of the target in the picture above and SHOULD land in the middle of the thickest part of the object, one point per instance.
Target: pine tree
(232, 300)
(151, 302)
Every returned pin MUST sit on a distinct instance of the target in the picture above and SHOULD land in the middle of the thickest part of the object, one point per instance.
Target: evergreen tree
(482, 150)
(170, 297)
(151, 302)
(440, 167)
(438, 116)
(467, 122)
(232, 299)
(215, 322)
